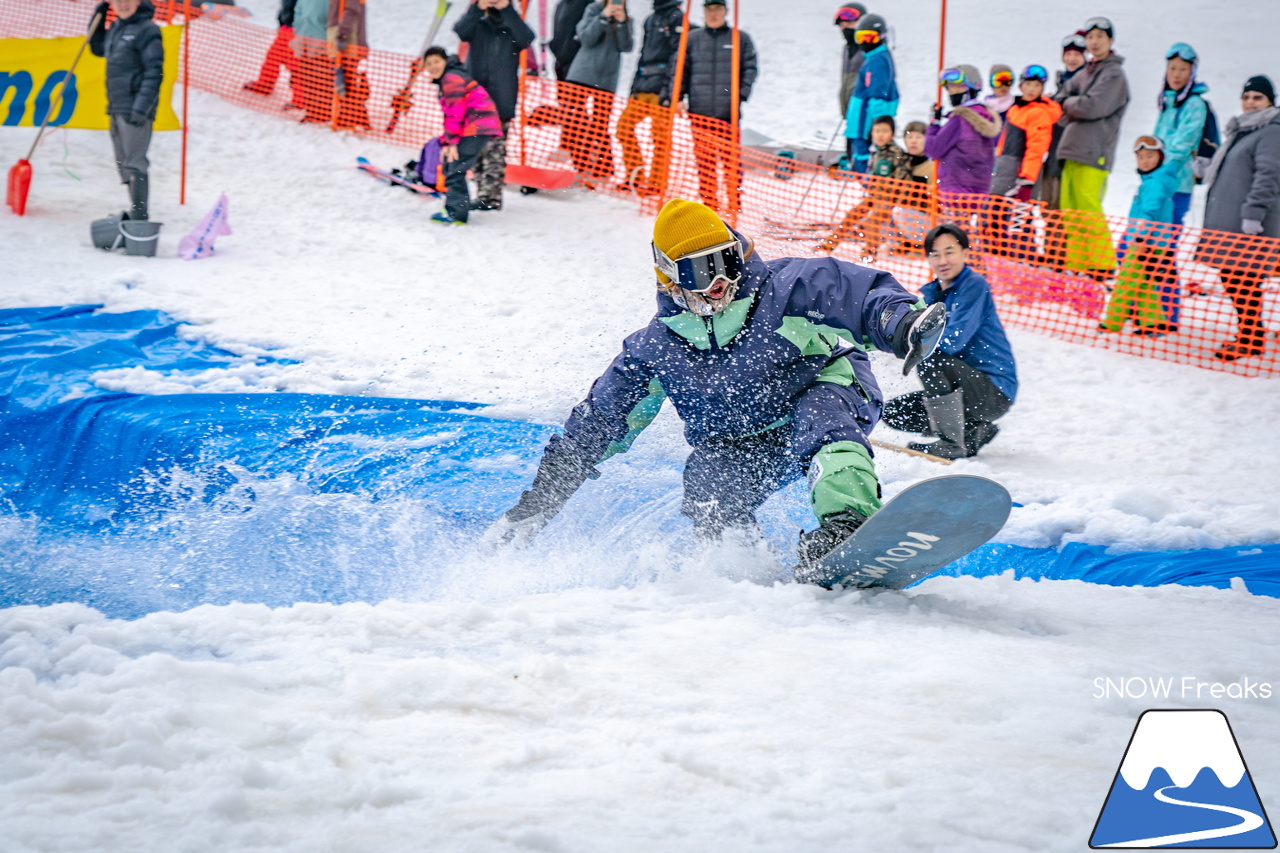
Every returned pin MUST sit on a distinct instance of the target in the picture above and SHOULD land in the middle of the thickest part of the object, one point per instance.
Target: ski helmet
(871, 29)
(849, 12)
(1100, 23)
(1000, 75)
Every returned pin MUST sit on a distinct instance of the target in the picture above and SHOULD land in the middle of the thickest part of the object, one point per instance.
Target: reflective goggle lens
(866, 36)
(1075, 40)
(847, 16)
(1002, 78)
(1182, 51)
(1035, 72)
(951, 75)
(699, 272)
(1148, 143)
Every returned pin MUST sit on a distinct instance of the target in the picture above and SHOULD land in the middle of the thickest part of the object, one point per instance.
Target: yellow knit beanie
(687, 226)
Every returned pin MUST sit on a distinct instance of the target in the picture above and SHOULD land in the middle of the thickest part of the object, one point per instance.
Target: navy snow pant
(727, 480)
(457, 202)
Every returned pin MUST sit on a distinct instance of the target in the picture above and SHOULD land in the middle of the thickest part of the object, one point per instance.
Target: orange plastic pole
(677, 82)
(524, 72)
(186, 86)
(942, 52)
(735, 135)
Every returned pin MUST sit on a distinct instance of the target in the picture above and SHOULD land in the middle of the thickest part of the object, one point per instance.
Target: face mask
(958, 98)
(850, 37)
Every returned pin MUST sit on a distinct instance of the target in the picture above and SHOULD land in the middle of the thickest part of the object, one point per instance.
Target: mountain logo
(1183, 783)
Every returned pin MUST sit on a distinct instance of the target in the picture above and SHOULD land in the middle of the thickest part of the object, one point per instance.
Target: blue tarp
(133, 503)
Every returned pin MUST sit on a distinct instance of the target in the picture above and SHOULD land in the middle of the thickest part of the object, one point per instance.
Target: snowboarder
(971, 380)
(135, 68)
(765, 363)
(876, 93)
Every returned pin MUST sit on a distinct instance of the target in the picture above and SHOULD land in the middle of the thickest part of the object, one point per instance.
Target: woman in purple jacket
(964, 145)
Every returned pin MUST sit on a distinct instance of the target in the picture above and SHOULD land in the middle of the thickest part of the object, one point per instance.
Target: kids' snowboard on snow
(929, 525)
(398, 180)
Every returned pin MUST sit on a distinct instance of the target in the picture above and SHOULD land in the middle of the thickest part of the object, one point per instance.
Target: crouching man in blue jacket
(766, 364)
(972, 379)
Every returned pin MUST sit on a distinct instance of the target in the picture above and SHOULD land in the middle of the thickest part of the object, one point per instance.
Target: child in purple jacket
(470, 121)
(965, 144)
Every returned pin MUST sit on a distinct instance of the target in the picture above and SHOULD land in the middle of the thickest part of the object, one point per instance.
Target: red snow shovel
(19, 184)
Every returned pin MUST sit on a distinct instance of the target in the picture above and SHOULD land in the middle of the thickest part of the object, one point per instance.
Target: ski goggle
(866, 36)
(951, 77)
(1182, 51)
(847, 16)
(1001, 78)
(1035, 72)
(698, 272)
(1099, 23)
(1148, 143)
(1074, 40)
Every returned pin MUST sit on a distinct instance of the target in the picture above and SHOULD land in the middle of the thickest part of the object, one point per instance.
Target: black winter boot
(946, 417)
(827, 536)
(138, 194)
(979, 435)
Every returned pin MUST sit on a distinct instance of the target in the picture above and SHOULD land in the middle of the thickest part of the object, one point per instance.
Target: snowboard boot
(834, 530)
(138, 195)
(946, 417)
(978, 435)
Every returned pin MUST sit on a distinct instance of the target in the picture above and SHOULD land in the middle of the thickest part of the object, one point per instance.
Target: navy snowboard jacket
(795, 322)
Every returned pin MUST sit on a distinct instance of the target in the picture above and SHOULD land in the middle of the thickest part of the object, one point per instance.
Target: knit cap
(686, 226)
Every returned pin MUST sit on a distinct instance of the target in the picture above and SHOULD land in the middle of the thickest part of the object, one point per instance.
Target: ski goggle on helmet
(1035, 72)
(707, 280)
(866, 36)
(847, 15)
(1148, 143)
(951, 77)
(1182, 51)
(1076, 41)
(1001, 78)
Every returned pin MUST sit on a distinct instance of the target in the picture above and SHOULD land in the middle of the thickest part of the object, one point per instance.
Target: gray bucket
(140, 238)
(106, 233)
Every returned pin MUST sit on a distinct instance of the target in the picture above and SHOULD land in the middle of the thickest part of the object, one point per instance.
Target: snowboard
(929, 525)
(397, 180)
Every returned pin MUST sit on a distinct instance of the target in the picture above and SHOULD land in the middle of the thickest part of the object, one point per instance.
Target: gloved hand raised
(1252, 227)
(918, 334)
(560, 474)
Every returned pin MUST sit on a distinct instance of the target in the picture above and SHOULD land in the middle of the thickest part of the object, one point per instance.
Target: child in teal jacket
(1146, 287)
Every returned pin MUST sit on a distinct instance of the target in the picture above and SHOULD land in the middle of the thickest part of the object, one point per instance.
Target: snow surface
(700, 706)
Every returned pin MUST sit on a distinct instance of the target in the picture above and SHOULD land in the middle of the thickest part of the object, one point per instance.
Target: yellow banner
(32, 69)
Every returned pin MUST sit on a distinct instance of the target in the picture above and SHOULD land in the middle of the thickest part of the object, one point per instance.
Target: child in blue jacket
(876, 92)
(1146, 287)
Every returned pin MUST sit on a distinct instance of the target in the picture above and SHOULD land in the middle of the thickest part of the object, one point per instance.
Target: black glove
(560, 474)
(138, 119)
(918, 334)
(937, 112)
(101, 11)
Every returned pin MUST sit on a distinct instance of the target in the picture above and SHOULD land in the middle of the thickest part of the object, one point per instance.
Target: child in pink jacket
(470, 121)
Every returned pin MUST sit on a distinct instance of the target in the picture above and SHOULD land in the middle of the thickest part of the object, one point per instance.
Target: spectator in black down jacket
(707, 84)
(135, 69)
(497, 35)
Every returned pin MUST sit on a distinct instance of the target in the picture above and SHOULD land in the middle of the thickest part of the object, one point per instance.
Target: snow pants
(491, 169)
(1145, 290)
(1089, 247)
(130, 143)
(726, 481)
(941, 374)
(457, 202)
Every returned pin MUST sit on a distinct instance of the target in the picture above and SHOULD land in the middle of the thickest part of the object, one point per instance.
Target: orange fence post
(733, 174)
(186, 86)
(677, 83)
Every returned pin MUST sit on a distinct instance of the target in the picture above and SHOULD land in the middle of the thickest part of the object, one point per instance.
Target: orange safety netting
(1147, 289)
